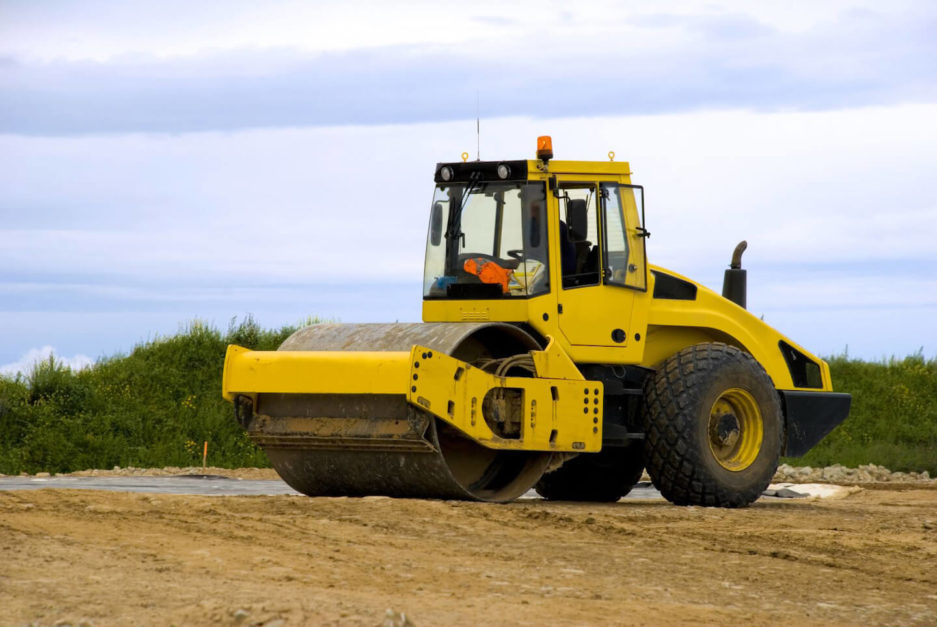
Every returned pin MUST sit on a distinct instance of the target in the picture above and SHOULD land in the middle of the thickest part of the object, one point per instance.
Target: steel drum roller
(369, 444)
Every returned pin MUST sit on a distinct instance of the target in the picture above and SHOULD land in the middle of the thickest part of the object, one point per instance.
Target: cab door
(601, 259)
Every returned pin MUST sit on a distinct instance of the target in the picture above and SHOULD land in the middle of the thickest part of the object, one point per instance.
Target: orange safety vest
(488, 271)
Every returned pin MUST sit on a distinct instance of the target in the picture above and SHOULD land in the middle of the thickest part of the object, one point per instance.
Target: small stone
(785, 493)
(240, 615)
(43, 474)
(832, 473)
(276, 622)
(393, 618)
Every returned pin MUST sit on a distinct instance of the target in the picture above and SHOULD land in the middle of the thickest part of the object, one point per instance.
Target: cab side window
(616, 238)
(579, 236)
(623, 247)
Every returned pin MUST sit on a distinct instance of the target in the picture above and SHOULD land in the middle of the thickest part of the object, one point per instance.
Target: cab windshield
(487, 240)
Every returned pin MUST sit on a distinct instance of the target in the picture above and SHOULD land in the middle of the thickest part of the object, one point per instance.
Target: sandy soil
(119, 558)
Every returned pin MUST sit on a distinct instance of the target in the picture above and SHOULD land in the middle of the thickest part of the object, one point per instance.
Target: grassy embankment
(155, 407)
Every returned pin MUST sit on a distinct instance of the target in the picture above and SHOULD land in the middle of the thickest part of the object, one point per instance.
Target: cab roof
(522, 170)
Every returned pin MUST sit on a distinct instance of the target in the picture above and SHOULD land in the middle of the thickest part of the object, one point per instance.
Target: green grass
(155, 407)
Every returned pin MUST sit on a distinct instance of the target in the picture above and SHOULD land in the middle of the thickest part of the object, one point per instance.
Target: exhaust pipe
(735, 281)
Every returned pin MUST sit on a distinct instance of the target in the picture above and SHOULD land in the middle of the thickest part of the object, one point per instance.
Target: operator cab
(489, 229)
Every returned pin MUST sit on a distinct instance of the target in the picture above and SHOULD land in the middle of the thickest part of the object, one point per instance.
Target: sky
(167, 161)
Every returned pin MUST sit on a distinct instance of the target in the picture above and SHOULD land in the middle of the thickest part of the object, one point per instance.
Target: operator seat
(577, 218)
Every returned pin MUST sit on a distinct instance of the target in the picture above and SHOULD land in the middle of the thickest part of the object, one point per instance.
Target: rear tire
(605, 476)
(712, 427)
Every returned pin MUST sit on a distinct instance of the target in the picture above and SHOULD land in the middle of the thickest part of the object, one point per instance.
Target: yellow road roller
(552, 357)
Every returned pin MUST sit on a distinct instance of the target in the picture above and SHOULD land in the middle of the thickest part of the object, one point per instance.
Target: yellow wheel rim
(736, 429)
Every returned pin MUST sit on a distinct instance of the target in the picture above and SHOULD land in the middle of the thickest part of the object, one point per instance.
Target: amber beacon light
(545, 147)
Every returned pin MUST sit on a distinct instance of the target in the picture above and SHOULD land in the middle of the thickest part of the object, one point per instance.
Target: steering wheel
(517, 254)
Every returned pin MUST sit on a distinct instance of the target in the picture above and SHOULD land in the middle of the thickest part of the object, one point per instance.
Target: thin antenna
(478, 130)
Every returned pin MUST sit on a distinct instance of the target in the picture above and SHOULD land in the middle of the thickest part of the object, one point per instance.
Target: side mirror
(435, 224)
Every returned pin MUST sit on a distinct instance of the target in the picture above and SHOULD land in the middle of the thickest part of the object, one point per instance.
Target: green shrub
(153, 407)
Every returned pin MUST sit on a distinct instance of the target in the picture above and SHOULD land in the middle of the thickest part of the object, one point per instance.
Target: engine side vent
(804, 371)
(669, 287)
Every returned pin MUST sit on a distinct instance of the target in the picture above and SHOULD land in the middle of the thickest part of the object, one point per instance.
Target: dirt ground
(119, 558)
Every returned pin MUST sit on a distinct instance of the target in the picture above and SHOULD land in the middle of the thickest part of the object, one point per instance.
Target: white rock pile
(868, 473)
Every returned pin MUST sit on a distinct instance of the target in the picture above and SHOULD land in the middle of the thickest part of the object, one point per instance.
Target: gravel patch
(868, 473)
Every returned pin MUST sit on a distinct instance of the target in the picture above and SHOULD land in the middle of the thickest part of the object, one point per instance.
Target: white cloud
(105, 30)
(147, 231)
(25, 364)
(138, 232)
(348, 204)
(240, 67)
